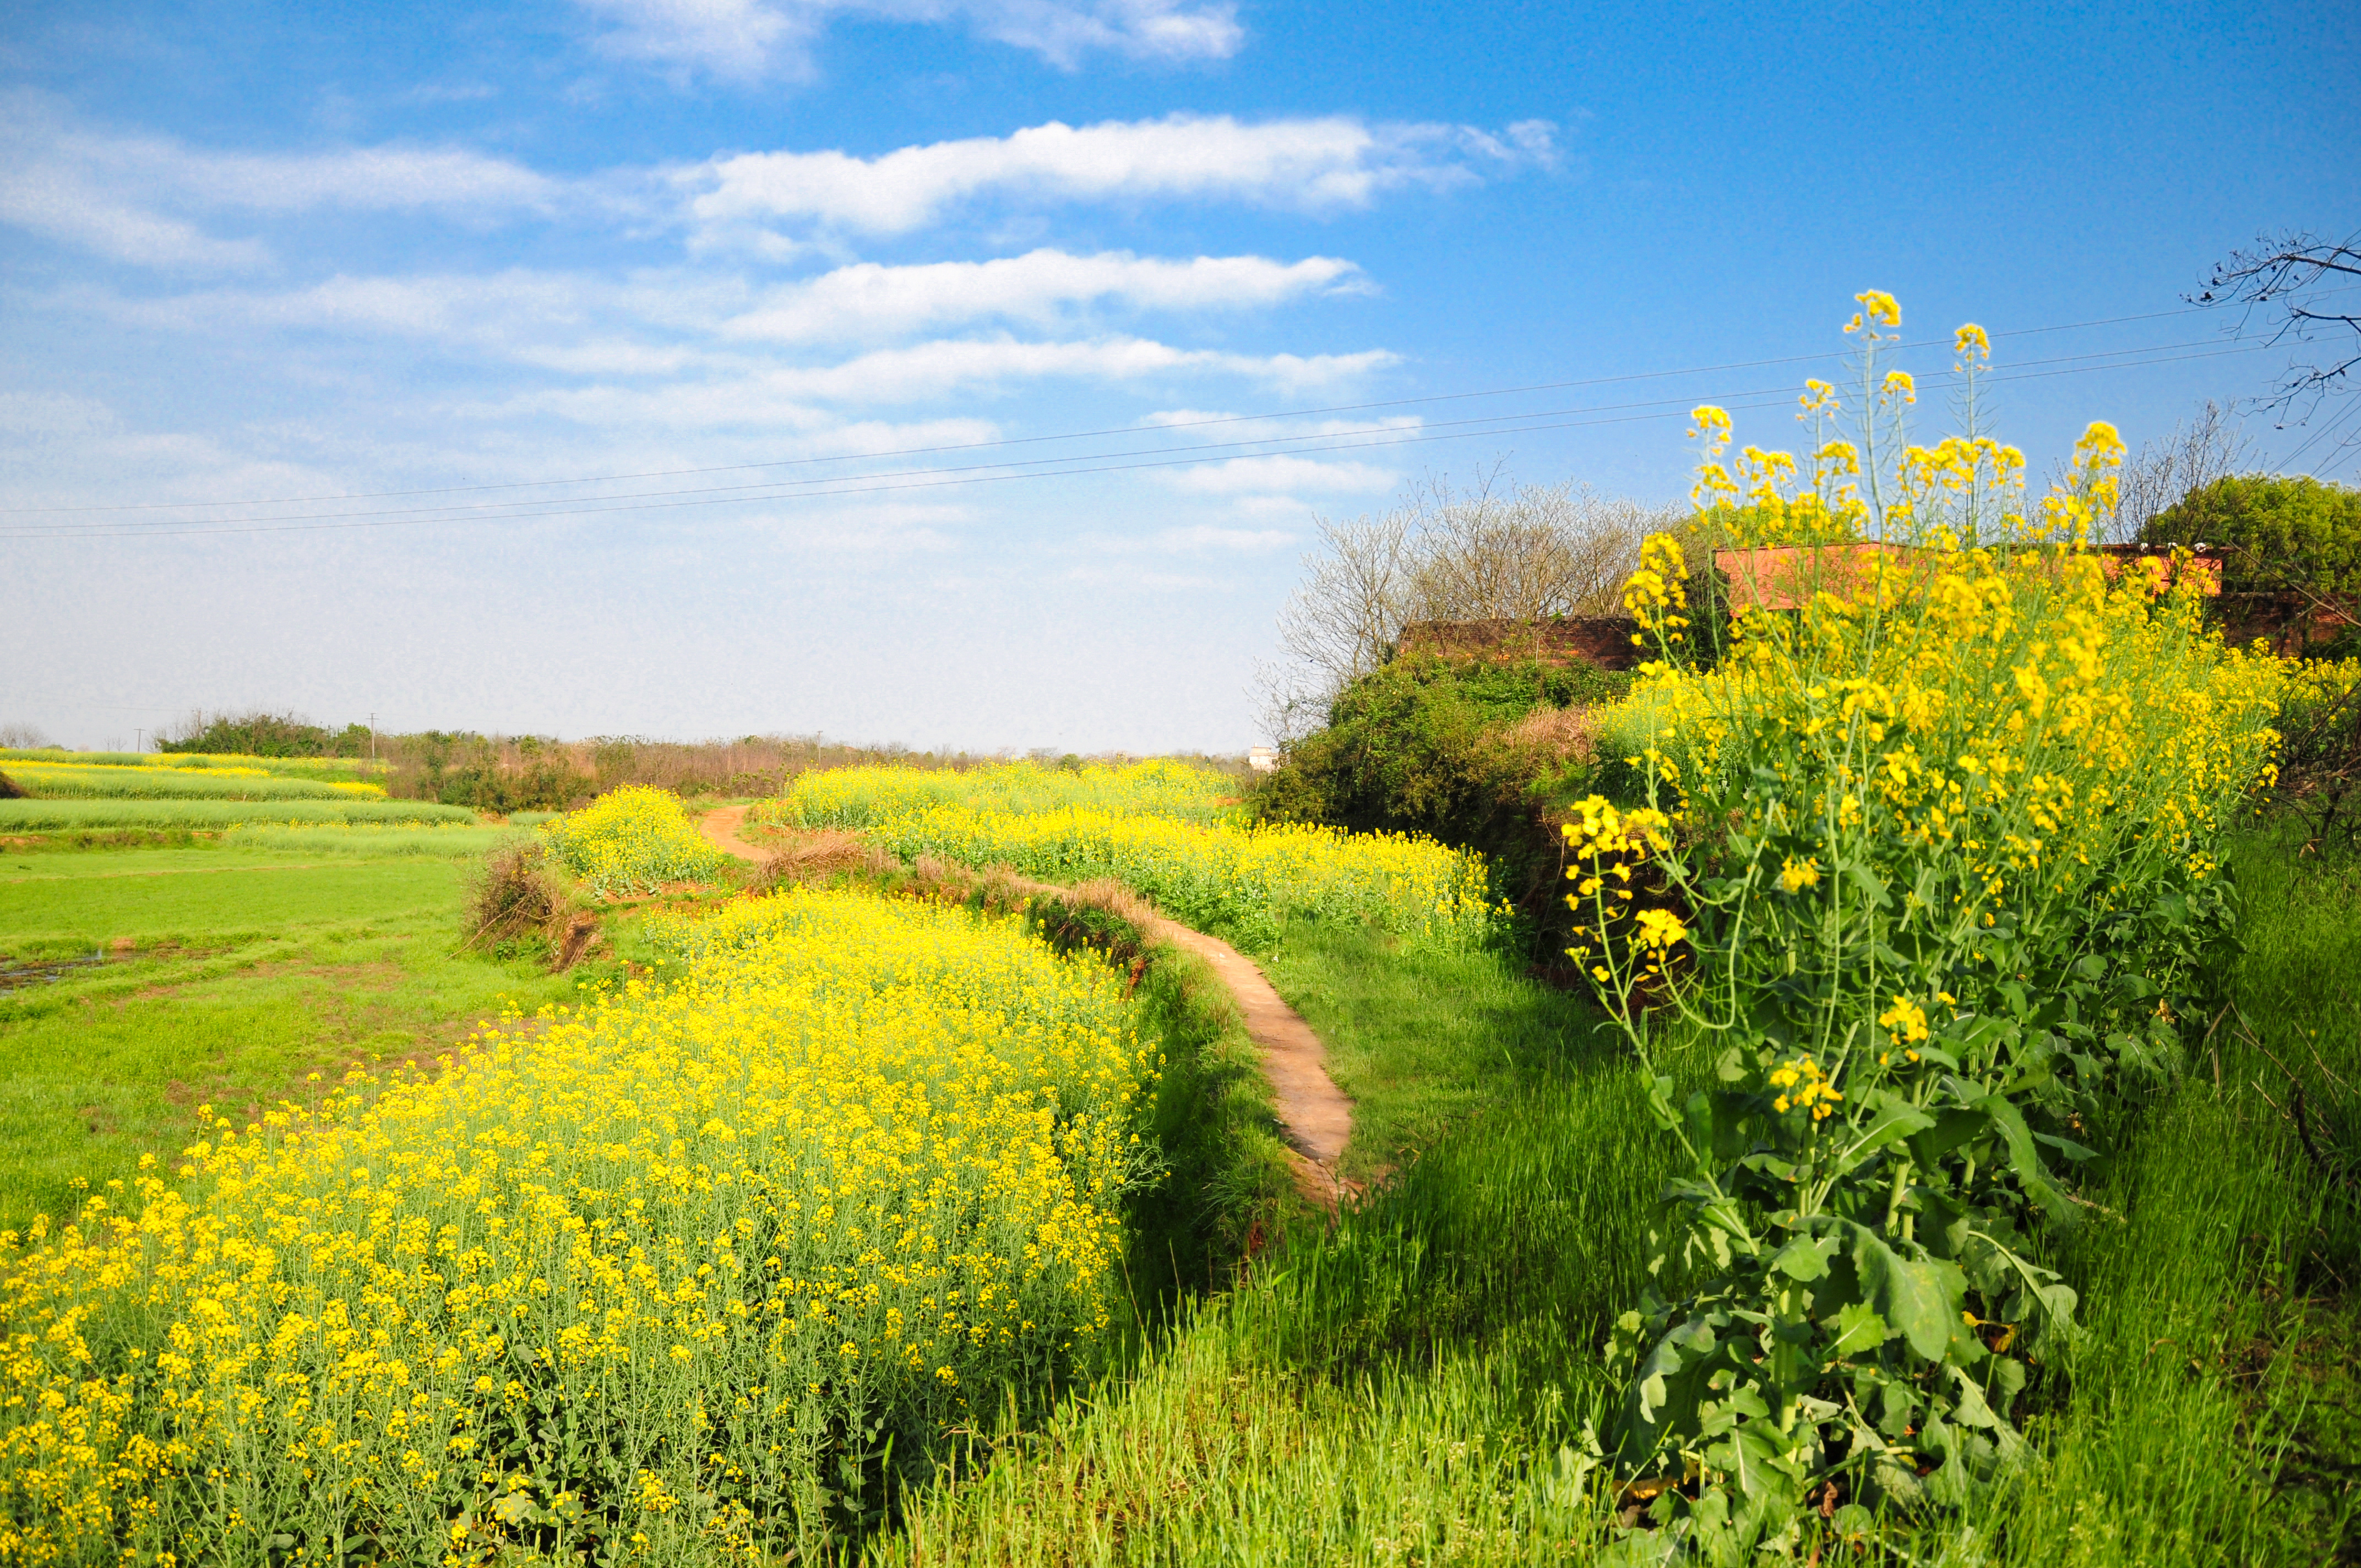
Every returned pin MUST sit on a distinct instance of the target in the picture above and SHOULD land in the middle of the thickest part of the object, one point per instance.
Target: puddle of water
(18, 977)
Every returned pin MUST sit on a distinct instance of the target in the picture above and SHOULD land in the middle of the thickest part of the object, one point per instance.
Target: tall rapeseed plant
(1930, 851)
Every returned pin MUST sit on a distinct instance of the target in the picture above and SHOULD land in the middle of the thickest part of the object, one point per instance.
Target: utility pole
(372, 737)
(140, 740)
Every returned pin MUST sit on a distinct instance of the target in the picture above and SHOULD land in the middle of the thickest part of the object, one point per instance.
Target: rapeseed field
(1163, 831)
(667, 1275)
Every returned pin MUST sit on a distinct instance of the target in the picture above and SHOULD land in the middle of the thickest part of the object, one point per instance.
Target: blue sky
(263, 253)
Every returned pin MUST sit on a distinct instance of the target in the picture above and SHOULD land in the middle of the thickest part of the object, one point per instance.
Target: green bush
(2282, 534)
(260, 734)
(1464, 752)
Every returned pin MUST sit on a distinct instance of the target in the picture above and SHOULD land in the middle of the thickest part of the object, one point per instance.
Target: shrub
(632, 840)
(665, 1282)
(2320, 755)
(2279, 531)
(256, 733)
(1465, 754)
(1931, 857)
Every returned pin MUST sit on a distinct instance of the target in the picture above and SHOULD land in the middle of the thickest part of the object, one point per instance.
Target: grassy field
(348, 770)
(20, 817)
(44, 781)
(140, 983)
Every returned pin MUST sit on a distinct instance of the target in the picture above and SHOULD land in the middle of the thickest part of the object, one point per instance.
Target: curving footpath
(1313, 1111)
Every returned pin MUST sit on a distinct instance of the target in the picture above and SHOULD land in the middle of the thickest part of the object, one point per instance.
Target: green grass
(1397, 1387)
(1419, 1039)
(443, 840)
(84, 815)
(1411, 1385)
(226, 974)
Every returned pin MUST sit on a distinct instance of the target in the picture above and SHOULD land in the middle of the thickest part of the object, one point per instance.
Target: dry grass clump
(514, 896)
(816, 856)
(10, 789)
(1554, 738)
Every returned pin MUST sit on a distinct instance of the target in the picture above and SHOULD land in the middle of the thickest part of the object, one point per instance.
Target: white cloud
(52, 414)
(747, 40)
(792, 396)
(1206, 536)
(1282, 473)
(675, 322)
(868, 299)
(1305, 164)
(566, 322)
(133, 198)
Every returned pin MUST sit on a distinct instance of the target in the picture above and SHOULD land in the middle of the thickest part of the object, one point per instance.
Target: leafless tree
(2196, 452)
(2301, 279)
(1490, 552)
(22, 737)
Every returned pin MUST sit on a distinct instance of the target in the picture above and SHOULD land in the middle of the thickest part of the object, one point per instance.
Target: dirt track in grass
(1313, 1111)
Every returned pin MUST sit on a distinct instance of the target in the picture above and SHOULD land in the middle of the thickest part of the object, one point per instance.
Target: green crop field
(48, 782)
(350, 769)
(140, 983)
(212, 813)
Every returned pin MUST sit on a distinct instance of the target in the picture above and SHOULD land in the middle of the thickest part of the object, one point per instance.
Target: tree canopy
(2280, 533)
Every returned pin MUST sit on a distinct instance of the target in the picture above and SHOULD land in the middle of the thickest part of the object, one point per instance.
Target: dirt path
(720, 826)
(1313, 1111)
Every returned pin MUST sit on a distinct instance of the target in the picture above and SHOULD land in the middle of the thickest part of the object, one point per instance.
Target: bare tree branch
(2291, 276)
(2191, 457)
(1490, 552)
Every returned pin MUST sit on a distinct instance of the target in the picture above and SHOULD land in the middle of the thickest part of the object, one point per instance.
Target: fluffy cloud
(136, 198)
(870, 301)
(1305, 164)
(1282, 473)
(747, 40)
(676, 321)
(924, 372)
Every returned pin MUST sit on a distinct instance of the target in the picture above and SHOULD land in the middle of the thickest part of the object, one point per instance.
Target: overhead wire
(1069, 467)
(1065, 436)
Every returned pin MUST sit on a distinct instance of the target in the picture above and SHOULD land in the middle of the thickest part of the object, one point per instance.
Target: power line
(1507, 425)
(2335, 421)
(778, 488)
(1078, 435)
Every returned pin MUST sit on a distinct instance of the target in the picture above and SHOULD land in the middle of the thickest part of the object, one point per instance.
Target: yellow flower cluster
(1221, 875)
(856, 798)
(632, 840)
(1968, 725)
(1164, 828)
(1609, 845)
(1803, 1086)
(648, 1277)
(67, 781)
(1656, 594)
